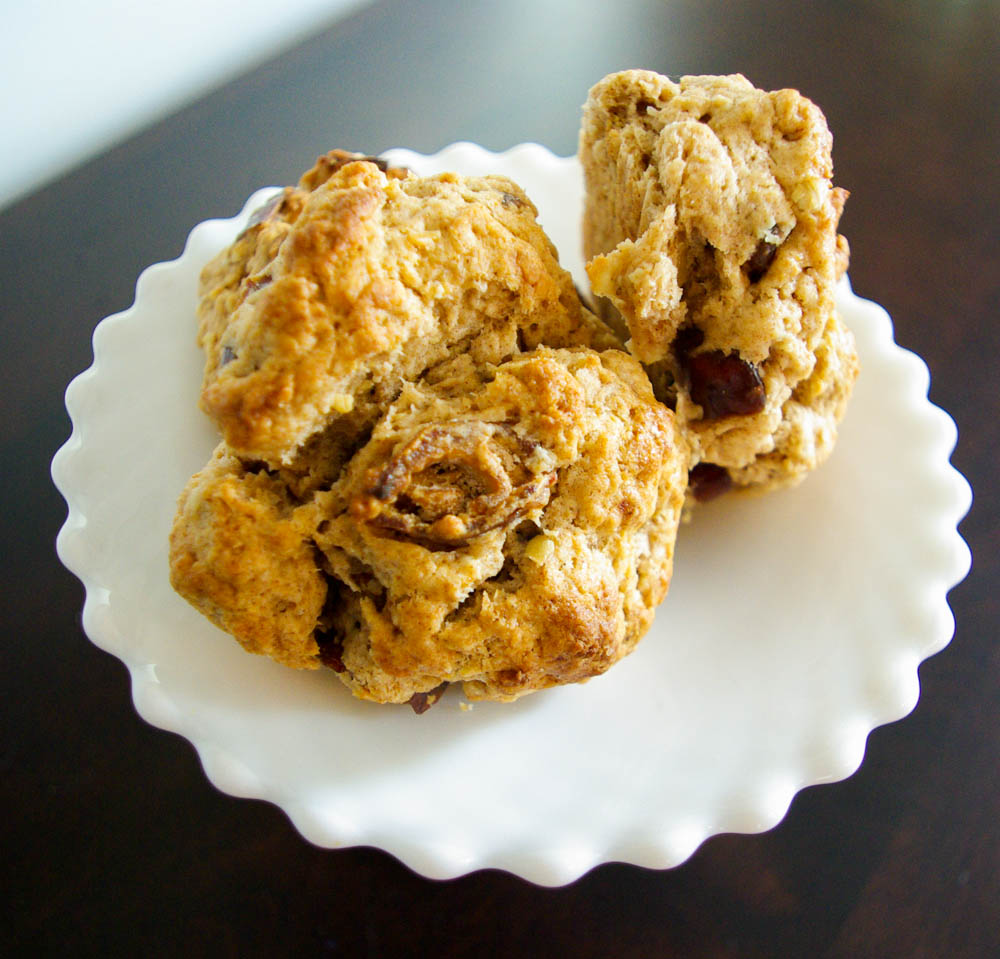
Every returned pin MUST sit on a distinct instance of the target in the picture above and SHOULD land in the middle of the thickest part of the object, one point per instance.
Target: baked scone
(358, 280)
(240, 554)
(710, 225)
(507, 528)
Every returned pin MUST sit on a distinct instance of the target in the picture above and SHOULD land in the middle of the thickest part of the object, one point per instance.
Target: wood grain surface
(114, 842)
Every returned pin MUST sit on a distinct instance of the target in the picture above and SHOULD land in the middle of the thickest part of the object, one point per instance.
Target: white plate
(794, 626)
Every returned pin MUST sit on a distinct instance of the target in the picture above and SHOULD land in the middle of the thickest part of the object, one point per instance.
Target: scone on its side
(710, 225)
(359, 280)
(509, 529)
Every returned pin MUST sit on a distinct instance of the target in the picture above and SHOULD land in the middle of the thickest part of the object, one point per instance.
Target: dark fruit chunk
(450, 483)
(724, 384)
(266, 211)
(228, 355)
(688, 338)
(421, 702)
(331, 653)
(707, 481)
(760, 261)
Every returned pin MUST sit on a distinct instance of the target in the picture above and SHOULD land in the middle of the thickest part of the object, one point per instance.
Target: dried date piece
(687, 340)
(760, 261)
(421, 702)
(708, 481)
(269, 209)
(331, 653)
(449, 484)
(722, 384)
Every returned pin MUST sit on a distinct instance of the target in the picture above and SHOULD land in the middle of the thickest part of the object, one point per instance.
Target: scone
(710, 225)
(240, 554)
(509, 528)
(358, 280)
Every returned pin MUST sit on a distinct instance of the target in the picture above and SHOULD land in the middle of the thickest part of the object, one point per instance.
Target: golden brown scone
(710, 224)
(510, 532)
(240, 555)
(242, 268)
(507, 528)
(358, 280)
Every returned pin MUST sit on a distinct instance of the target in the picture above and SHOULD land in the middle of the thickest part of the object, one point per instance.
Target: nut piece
(539, 549)
(342, 402)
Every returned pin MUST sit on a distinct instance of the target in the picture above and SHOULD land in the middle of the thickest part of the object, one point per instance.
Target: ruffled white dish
(794, 626)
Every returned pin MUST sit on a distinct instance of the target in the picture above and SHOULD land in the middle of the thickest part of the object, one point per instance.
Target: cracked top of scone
(710, 224)
(509, 528)
(363, 277)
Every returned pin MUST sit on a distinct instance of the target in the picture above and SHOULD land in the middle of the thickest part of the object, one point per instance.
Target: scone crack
(372, 277)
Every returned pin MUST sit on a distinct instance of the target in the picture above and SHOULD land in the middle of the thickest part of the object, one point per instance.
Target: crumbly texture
(710, 227)
(508, 528)
(358, 280)
(240, 554)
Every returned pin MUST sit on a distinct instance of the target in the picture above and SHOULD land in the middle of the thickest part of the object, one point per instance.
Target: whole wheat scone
(240, 554)
(242, 267)
(508, 528)
(362, 278)
(710, 225)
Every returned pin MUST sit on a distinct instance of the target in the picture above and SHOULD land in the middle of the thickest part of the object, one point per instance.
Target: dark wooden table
(114, 843)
